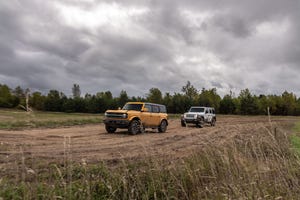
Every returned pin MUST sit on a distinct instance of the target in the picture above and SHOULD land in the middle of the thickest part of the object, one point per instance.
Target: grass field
(15, 119)
(256, 160)
(295, 138)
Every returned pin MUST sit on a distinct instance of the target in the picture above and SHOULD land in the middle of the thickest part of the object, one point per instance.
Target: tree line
(245, 103)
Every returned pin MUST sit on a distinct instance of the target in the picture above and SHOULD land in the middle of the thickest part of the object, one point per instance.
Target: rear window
(155, 109)
(163, 109)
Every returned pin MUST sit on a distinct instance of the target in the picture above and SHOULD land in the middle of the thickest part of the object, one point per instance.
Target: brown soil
(92, 144)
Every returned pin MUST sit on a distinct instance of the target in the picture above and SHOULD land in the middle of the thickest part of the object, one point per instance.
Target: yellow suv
(136, 116)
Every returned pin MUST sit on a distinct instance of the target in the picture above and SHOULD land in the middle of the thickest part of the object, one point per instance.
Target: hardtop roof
(201, 107)
(139, 102)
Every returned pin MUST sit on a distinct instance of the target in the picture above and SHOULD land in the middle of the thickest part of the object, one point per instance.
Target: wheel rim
(135, 127)
(110, 129)
(163, 125)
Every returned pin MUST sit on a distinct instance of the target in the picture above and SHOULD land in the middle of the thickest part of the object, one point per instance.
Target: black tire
(183, 124)
(213, 122)
(110, 129)
(199, 125)
(142, 128)
(134, 127)
(163, 126)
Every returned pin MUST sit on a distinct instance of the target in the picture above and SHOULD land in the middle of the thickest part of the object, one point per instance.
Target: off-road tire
(199, 125)
(142, 128)
(163, 126)
(134, 127)
(110, 129)
(183, 124)
(213, 122)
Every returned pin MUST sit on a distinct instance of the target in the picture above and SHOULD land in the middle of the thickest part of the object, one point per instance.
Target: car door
(207, 115)
(155, 115)
(210, 115)
(147, 116)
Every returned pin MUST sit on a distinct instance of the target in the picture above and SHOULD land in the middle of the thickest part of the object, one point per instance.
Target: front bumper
(192, 121)
(117, 123)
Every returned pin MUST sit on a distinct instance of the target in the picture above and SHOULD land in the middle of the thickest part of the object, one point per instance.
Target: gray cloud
(230, 46)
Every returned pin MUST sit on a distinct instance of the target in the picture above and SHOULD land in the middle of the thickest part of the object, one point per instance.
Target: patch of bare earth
(92, 144)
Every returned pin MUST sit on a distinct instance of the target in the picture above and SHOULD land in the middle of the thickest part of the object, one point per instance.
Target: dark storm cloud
(235, 25)
(229, 45)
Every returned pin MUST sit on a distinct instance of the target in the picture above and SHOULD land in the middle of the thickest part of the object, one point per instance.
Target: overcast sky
(135, 45)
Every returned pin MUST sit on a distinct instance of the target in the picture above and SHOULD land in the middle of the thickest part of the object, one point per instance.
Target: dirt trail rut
(92, 144)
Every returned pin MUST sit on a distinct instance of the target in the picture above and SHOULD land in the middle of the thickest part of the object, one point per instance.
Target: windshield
(197, 110)
(137, 107)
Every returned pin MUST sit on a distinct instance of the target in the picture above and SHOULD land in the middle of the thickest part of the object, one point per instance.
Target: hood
(194, 113)
(117, 111)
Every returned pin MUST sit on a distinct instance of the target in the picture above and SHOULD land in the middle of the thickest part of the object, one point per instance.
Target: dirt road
(92, 144)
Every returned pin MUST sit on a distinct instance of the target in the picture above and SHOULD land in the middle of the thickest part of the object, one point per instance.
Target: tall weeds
(259, 165)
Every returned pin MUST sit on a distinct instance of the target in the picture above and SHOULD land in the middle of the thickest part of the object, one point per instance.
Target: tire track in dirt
(93, 144)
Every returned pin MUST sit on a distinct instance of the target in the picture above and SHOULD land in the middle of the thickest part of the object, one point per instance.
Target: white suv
(199, 116)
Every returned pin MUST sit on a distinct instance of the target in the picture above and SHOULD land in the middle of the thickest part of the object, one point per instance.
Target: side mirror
(145, 110)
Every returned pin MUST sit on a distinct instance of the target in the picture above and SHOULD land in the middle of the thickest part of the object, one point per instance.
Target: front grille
(190, 115)
(114, 115)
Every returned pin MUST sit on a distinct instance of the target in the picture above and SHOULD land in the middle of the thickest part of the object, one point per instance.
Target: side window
(155, 109)
(210, 110)
(213, 111)
(206, 110)
(162, 109)
(148, 107)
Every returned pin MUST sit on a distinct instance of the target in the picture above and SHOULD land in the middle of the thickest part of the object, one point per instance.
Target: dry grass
(16, 119)
(260, 165)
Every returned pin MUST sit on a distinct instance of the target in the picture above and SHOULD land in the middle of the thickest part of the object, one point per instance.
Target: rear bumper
(117, 123)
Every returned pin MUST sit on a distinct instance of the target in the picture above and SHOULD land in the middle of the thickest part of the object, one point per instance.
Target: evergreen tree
(37, 101)
(54, 101)
(7, 100)
(123, 98)
(248, 102)
(155, 96)
(76, 91)
(289, 103)
(190, 91)
(227, 105)
(209, 98)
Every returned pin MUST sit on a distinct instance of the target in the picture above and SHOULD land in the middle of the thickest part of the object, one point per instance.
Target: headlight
(124, 115)
(105, 114)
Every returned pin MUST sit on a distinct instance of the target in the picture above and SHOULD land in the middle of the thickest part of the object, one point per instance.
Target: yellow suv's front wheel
(110, 129)
(163, 126)
(135, 126)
